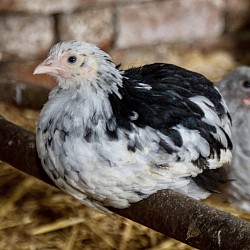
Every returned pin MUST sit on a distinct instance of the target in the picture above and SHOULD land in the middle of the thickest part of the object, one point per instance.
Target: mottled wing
(185, 107)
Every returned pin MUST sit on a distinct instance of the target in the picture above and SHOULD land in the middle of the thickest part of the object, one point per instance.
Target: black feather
(166, 104)
(211, 179)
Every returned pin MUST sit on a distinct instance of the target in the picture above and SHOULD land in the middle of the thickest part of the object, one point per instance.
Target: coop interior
(209, 37)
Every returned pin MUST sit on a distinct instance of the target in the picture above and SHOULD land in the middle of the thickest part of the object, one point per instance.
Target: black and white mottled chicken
(112, 137)
(235, 88)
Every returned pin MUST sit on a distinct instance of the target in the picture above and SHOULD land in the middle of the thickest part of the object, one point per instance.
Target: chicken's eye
(246, 84)
(72, 59)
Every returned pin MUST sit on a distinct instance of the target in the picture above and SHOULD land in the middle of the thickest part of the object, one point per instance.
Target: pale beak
(48, 66)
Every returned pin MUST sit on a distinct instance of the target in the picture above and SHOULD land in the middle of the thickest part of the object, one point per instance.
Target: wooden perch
(168, 212)
(23, 94)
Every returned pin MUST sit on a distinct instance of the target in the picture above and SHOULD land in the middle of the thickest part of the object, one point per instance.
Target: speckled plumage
(111, 137)
(235, 88)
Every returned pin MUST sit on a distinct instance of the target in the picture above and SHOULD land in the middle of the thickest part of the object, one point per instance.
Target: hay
(34, 215)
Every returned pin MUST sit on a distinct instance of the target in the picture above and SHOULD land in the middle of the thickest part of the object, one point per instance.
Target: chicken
(112, 137)
(235, 88)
